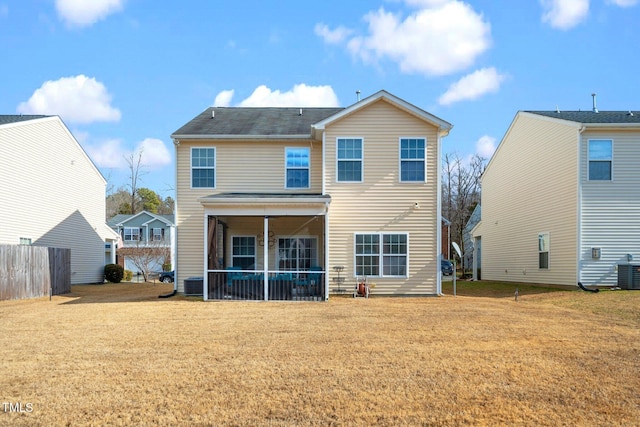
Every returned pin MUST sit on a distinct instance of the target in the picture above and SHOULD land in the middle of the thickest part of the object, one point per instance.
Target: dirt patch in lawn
(119, 355)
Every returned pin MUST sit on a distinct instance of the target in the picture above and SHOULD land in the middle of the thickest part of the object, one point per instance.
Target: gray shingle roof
(255, 121)
(589, 117)
(13, 118)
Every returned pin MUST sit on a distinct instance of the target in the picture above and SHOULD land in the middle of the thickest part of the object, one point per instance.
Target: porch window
(297, 165)
(297, 253)
(543, 251)
(131, 234)
(381, 254)
(244, 252)
(157, 234)
(412, 159)
(349, 153)
(203, 163)
(600, 159)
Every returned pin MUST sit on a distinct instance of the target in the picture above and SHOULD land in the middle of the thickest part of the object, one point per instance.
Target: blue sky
(125, 74)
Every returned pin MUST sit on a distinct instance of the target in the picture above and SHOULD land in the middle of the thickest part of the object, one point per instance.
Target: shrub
(128, 275)
(166, 267)
(113, 273)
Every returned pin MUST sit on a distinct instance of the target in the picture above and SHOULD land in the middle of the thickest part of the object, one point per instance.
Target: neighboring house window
(297, 165)
(600, 159)
(157, 234)
(349, 153)
(203, 167)
(297, 253)
(412, 159)
(25, 240)
(381, 254)
(131, 234)
(543, 251)
(244, 252)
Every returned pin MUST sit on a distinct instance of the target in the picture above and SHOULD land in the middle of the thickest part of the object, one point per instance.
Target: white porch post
(265, 258)
(205, 267)
(326, 254)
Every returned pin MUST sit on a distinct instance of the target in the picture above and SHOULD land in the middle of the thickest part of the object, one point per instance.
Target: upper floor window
(600, 159)
(203, 167)
(157, 234)
(131, 234)
(543, 251)
(349, 153)
(381, 254)
(412, 159)
(297, 167)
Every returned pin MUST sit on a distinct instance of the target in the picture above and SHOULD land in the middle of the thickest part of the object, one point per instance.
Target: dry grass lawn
(118, 355)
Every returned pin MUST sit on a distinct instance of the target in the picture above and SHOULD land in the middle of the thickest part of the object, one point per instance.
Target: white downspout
(579, 209)
(439, 216)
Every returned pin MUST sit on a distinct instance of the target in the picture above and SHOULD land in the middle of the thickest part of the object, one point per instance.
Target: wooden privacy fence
(33, 271)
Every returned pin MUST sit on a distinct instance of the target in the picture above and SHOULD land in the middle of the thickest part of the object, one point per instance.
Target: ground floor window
(297, 253)
(380, 254)
(543, 250)
(243, 252)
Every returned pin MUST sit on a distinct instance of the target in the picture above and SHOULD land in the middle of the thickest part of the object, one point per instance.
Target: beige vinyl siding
(53, 194)
(381, 203)
(254, 166)
(610, 211)
(531, 187)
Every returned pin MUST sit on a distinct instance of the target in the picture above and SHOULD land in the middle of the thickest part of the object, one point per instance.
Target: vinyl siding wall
(610, 212)
(529, 187)
(52, 193)
(241, 166)
(381, 203)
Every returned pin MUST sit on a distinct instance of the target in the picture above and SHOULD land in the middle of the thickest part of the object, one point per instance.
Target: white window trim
(215, 167)
(400, 159)
(255, 248)
(138, 233)
(286, 168)
(548, 251)
(589, 159)
(361, 138)
(380, 254)
(153, 235)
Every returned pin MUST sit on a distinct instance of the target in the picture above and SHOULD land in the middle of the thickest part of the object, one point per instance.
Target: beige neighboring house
(561, 199)
(283, 203)
(53, 195)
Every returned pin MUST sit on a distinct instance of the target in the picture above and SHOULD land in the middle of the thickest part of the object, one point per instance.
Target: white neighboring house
(144, 231)
(52, 194)
(561, 200)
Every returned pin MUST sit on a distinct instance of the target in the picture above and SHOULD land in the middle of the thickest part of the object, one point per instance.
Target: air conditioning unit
(193, 286)
(629, 276)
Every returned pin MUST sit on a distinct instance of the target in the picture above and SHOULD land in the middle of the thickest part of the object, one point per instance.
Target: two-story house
(561, 199)
(52, 194)
(285, 203)
(146, 241)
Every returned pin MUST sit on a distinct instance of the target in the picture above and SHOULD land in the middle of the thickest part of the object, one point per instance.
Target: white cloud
(564, 14)
(223, 99)
(112, 154)
(82, 13)
(154, 153)
(623, 3)
(486, 146)
(78, 99)
(441, 37)
(473, 86)
(332, 36)
(300, 96)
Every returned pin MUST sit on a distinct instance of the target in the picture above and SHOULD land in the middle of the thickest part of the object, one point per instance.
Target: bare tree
(461, 191)
(134, 162)
(147, 255)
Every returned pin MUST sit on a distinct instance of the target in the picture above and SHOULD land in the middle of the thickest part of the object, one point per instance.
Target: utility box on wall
(629, 276)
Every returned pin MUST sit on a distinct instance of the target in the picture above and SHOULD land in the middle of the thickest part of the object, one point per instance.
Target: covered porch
(265, 247)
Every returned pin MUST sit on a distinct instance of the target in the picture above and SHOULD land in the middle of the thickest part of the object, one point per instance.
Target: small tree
(146, 256)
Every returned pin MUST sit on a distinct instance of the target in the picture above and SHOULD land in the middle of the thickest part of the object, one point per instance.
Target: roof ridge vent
(630, 113)
(300, 113)
(213, 113)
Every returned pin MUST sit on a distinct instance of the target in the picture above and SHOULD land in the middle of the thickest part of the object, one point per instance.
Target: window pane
(412, 148)
(600, 149)
(367, 266)
(412, 171)
(297, 157)
(349, 170)
(543, 260)
(297, 178)
(394, 265)
(600, 171)
(203, 178)
(349, 149)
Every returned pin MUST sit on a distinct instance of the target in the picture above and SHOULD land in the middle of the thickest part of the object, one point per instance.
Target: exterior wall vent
(596, 253)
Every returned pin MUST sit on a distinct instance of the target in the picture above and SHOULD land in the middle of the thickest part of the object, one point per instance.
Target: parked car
(447, 267)
(166, 277)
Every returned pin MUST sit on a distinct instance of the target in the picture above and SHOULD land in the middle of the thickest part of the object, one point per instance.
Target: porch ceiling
(266, 204)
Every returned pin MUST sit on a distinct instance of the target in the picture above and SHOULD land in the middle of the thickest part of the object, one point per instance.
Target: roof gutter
(240, 137)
